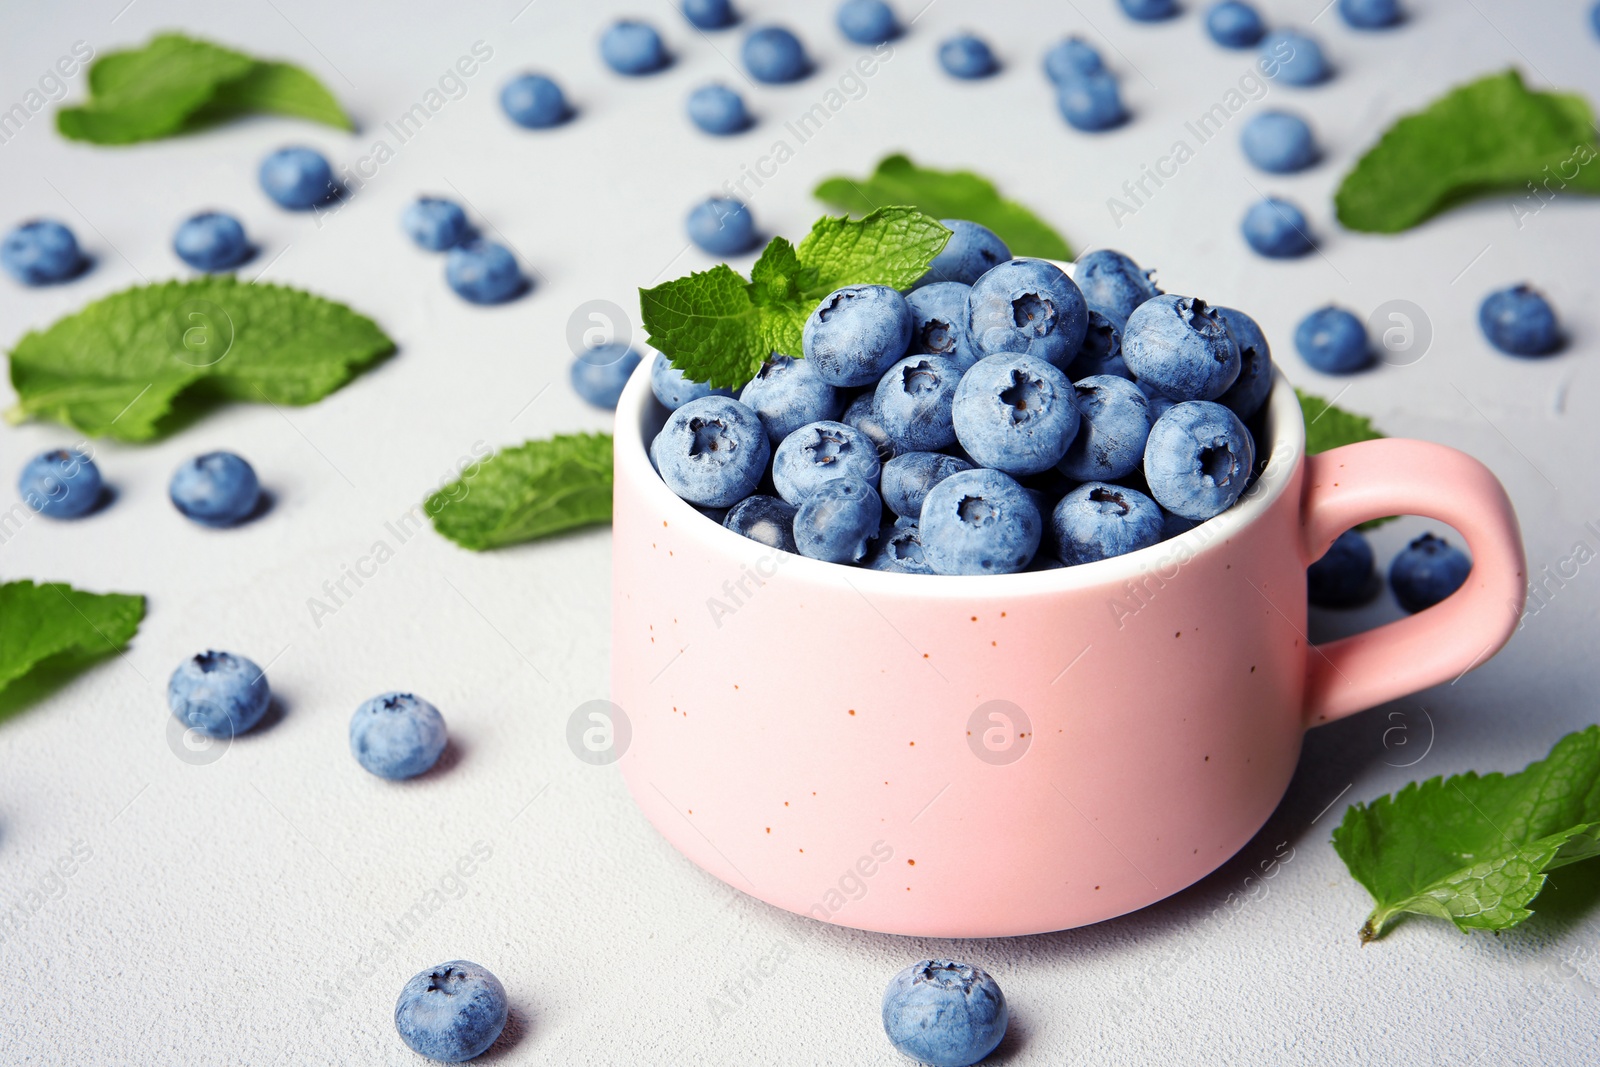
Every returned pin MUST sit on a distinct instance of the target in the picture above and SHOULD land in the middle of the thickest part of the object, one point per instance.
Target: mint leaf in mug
(1488, 136)
(1475, 849)
(55, 625)
(132, 364)
(534, 490)
(954, 194)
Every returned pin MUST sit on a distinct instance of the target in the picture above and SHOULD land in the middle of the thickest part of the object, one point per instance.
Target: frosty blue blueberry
(632, 47)
(971, 252)
(673, 388)
(215, 489)
(1250, 389)
(601, 372)
(1180, 346)
(211, 241)
(856, 333)
(907, 479)
(1370, 14)
(979, 522)
(1027, 306)
(1114, 422)
(1015, 413)
(718, 110)
(484, 272)
(1233, 24)
(787, 393)
(1149, 10)
(435, 224)
(722, 226)
(1101, 351)
(218, 693)
(1426, 571)
(1344, 577)
(938, 312)
(860, 415)
(452, 1012)
(1113, 284)
(1091, 102)
(397, 735)
(1098, 521)
(1333, 341)
(534, 102)
(766, 519)
(900, 550)
(41, 252)
(816, 454)
(838, 521)
(709, 14)
(774, 55)
(1278, 142)
(867, 21)
(1519, 321)
(913, 402)
(62, 483)
(967, 57)
(1276, 229)
(1071, 58)
(712, 451)
(1198, 459)
(1296, 56)
(297, 178)
(944, 1013)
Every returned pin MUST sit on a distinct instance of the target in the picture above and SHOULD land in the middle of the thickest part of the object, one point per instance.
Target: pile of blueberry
(998, 417)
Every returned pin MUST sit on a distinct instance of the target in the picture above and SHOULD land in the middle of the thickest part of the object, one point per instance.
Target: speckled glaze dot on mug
(1166, 692)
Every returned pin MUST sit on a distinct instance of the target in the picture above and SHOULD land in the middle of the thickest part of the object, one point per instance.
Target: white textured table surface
(253, 910)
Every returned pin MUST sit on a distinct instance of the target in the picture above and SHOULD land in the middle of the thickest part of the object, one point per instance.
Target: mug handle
(1369, 480)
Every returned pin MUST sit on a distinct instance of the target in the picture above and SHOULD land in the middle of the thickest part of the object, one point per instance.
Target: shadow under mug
(1010, 754)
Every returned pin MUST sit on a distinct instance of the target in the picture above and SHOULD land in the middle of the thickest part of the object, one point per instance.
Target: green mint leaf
(531, 491)
(777, 277)
(56, 626)
(1330, 427)
(176, 84)
(1475, 849)
(891, 246)
(707, 325)
(957, 194)
(1492, 135)
(118, 367)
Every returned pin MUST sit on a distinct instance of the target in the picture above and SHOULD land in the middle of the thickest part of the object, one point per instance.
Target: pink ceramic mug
(1009, 754)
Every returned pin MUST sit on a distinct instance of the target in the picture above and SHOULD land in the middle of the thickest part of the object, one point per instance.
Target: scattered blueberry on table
(1333, 341)
(1519, 321)
(1234, 24)
(215, 489)
(1297, 58)
(211, 241)
(298, 178)
(600, 373)
(867, 21)
(452, 1012)
(1277, 229)
(1072, 57)
(719, 110)
(967, 56)
(397, 735)
(787, 393)
(1426, 571)
(1091, 102)
(631, 47)
(62, 483)
(484, 272)
(944, 1013)
(710, 14)
(534, 102)
(435, 224)
(1149, 10)
(1345, 576)
(41, 252)
(721, 226)
(774, 55)
(1371, 14)
(219, 694)
(1279, 142)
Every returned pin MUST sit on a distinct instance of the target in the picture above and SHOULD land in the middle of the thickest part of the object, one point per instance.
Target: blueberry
(61, 484)
(860, 414)
(908, 478)
(857, 333)
(867, 21)
(1276, 229)
(944, 1013)
(1234, 25)
(435, 224)
(298, 178)
(1344, 577)
(1296, 57)
(483, 272)
(1198, 459)
(774, 55)
(1097, 521)
(1113, 284)
(913, 401)
(632, 47)
(971, 252)
(1370, 14)
(1594, 18)
(211, 241)
(1149, 10)
(717, 109)
(1091, 102)
(218, 693)
(1520, 322)
(1071, 58)
(1250, 389)
(900, 550)
(787, 393)
(937, 314)
(41, 252)
(397, 735)
(1159, 402)
(1180, 346)
(837, 523)
(216, 489)
(709, 14)
(712, 451)
(1114, 422)
(966, 56)
(1333, 341)
(1027, 306)
(1173, 525)
(820, 452)
(979, 521)
(452, 1012)
(1101, 351)
(722, 226)
(601, 372)
(1279, 143)
(1426, 571)
(1015, 414)
(765, 519)
(673, 388)
(534, 102)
